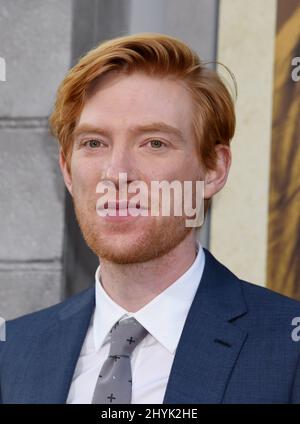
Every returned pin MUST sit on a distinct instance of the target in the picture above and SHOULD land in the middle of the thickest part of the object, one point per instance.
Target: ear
(215, 179)
(65, 171)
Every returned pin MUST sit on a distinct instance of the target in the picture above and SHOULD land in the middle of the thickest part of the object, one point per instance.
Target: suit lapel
(54, 353)
(205, 357)
(210, 343)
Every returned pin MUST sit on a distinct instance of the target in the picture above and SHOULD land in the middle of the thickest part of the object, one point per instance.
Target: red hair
(155, 54)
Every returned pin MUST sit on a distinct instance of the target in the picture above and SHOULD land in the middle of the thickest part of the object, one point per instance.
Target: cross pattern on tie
(114, 384)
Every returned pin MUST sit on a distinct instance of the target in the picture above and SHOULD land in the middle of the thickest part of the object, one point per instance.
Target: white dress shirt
(151, 361)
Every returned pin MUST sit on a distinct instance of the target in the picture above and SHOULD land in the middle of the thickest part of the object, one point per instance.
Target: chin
(132, 244)
(122, 249)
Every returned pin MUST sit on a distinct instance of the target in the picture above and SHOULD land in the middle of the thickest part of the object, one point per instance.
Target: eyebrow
(151, 127)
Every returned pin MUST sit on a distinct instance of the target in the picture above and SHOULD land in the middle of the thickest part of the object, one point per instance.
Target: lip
(118, 211)
(122, 204)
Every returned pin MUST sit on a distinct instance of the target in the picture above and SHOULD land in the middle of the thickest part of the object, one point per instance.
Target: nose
(120, 161)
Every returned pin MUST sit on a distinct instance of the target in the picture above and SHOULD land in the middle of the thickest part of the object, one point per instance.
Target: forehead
(126, 100)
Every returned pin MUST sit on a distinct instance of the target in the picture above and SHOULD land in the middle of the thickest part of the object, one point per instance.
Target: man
(165, 322)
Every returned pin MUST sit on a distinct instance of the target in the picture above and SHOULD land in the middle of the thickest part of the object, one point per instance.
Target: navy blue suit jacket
(236, 347)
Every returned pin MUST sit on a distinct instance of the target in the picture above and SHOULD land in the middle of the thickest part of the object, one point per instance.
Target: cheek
(169, 170)
(84, 182)
(194, 170)
(186, 172)
(185, 167)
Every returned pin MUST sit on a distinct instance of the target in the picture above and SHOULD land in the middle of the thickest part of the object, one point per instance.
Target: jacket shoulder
(21, 327)
(266, 299)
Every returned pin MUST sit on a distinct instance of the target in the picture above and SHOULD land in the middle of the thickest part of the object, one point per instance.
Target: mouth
(119, 210)
(122, 204)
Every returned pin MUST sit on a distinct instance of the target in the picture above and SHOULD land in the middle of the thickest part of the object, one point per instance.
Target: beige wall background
(239, 217)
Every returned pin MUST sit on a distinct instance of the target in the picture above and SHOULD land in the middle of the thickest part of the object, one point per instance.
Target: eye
(94, 143)
(156, 144)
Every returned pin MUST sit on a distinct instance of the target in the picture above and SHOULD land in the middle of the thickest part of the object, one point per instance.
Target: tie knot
(125, 336)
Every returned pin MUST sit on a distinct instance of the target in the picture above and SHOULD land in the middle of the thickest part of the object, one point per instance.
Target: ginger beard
(141, 240)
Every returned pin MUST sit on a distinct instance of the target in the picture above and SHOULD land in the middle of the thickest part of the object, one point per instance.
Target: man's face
(142, 126)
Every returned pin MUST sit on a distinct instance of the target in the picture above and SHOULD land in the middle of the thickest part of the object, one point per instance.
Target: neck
(132, 286)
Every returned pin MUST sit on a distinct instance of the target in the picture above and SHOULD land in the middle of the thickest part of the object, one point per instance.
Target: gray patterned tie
(114, 384)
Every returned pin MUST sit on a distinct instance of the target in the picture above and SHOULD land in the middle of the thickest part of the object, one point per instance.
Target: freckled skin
(118, 105)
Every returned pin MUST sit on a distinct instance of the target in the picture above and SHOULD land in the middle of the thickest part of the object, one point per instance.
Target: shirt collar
(163, 317)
